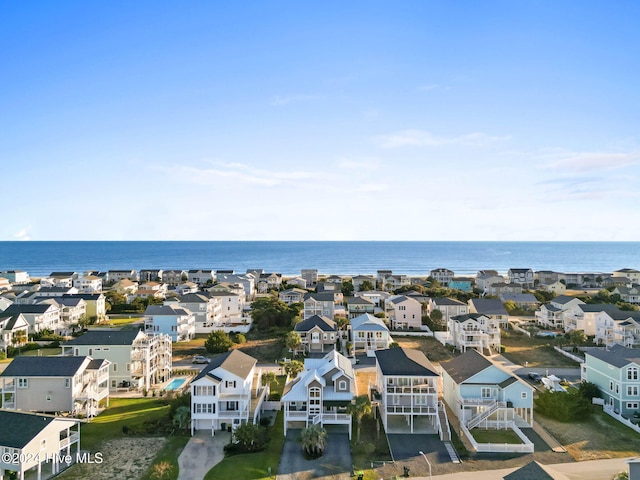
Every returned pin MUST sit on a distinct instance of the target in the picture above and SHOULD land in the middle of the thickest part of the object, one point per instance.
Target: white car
(200, 359)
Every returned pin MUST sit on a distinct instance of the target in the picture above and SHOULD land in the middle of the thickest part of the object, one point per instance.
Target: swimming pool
(175, 384)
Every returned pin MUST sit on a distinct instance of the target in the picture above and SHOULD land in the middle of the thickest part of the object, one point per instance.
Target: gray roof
(201, 297)
(325, 324)
(519, 297)
(489, 306)
(534, 471)
(401, 361)
(446, 301)
(618, 356)
(29, 308)
(466, 365)
(165, 310)
(359, 301)
(235, 361)
(84, 296)
(320, 297)
(69, 301)
(18, 428)
(563, 299)
(32, 366)
(105, 337)
(96, 363)
(467, 316)
(368, 322)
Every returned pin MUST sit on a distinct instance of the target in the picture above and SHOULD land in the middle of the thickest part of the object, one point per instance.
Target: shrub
(240, 338)
(565, 407)
(218, 342)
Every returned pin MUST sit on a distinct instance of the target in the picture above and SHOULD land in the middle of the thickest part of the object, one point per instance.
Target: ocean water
(287, 258)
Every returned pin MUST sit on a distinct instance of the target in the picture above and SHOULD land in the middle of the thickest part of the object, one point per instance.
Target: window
(67, 383)
(342, 385)
(113, 384)
(204, 390)
(232, 406)
(632, 405)
(128, 367)
(632, 390)
(23, 383)
(611, 385)
(48, 398)
(485, 392)
(230, 384)
(617, 388)
(204, 408)
(523, 395)
(115, 367)
(632, 373)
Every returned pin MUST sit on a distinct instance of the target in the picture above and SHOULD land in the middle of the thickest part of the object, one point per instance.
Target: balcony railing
(64, 442)
(412, 409)
(477, 401)
(396, 390)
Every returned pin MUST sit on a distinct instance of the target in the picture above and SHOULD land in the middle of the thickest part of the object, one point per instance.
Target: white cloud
(365, 163)
(372, 187)
(591, 161)
(22, 234)
(432, 86)
(423, 138)
(280, 100)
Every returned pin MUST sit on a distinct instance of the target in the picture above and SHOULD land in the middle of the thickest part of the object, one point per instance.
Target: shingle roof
(29, 308)
(466, 365)
(445, 301)
(165, 310)
(105, 337)
(535, 471)
(563, 299)
(320, 297)
(400, 361)
(235, 361)
(489, 306)
(618, 356)
(368, 322)
(323, 323)
(467, 316)
(32, 366)
(18, 428)
(359, 301)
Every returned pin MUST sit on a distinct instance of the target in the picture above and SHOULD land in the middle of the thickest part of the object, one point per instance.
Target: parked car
(536, 377)
(200, 359)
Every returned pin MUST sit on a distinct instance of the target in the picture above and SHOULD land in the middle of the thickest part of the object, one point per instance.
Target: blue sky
(417, 120)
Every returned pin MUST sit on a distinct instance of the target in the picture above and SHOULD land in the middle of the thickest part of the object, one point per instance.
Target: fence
(411, 333)
(573, 357)
(518, 328)
(609, 411)
(525, 447)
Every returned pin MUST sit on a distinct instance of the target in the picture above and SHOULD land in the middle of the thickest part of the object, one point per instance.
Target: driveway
(335, 463)
(405, 446)
(201, 453)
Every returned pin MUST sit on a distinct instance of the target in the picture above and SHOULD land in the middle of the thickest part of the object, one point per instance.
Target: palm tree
(182, 417)
(293, 368)
(313, 439)
(360, 407)
(268, 378)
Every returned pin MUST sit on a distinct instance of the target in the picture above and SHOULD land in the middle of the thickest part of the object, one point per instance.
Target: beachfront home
(59, 279)
(39, 316)
(75, 385)
(483, 394)
(321, 393)
(172, 320)
(201, 276)
(359, 280)
(321, 304)
(151, 275)
(318, 334)
(310, 275)
(356, 306)
(442, 275)
(475, 330)
(552, 314)
(206, 309)
(486, 278)
(221, 393)
(292, 295)
(14, 330)
(404, 313)
(449, 307)
(522, 276)
(369, 333)
(407, 385)
(630, 273)
(174, 277)
(490, 307)
(115, 275)
(617, 373)
(31, 443)
(137, 360)
(16, 277)
(88, 284)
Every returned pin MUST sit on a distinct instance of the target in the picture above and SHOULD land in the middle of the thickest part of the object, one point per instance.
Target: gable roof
(235, 362)
(360, 301)
(105, 337)
(446, 301)
(32, 366)
(323, 323)
(564, 299)
(489, 306)
(535, 471)
(468, 316)
(368, 322)
(618, 356)
(401, 361)
(165, 310)
(18, 428)
(320, 297)
(466, 365)
(32, 308)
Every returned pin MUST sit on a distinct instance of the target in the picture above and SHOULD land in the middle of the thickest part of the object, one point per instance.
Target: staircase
(486, 413)
(445, 433)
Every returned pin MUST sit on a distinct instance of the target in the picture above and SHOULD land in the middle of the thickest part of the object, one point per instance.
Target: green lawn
(250, 466)
(122, 411)
(119, 322)
(372, 447)
(495, 436)
(532, 352)
(41, 352)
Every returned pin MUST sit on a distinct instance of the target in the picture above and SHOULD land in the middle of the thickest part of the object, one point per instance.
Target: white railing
(478, 417)
(610, 411)
(477, 401)
(569, 355)
(525, 447)
(445, 435)
(74, 437)
(296, 414)
(409, 409)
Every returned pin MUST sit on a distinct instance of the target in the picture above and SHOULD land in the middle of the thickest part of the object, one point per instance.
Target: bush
(218, 342)
(240, 338)
(565, 407)
(275, 397)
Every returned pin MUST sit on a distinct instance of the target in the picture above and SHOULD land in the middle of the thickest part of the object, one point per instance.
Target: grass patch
(195, 346)
(533, 352)
(169, 453)
(264, 347)
(495, 436)
(597, 437)
(432, 348)
(41, 352)
(119, 322)
(372, 447)
(122, 411)
(251, 466)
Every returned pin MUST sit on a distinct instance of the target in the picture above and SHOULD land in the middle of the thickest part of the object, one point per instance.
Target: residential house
(404, 313)
(334, 288)
(557, 288)
(483, 394)
(359, 280)
(552, 314)
(59, 279)
(521, 276)
(88, 284)
(49, 292)
(321, 393)
(4, 303)
(583, 316)
(151, 275)
(16, 277)
(247, 281)
(236, 288)
(75, 385)
(369, 333)
(5, 284)
(125, 287)
(527, 301)
(115, 275)
(616, 372)
(186, 287)
(337, 279)
(310, 275)
(176, 322)
(321, 304)
(547, 277)
(149, 290)
(31, 443)
(40, 316)
(630, 273)
(463, 284)
(376, 296)
(72, 309)
(393, 282)
(231, 303)
(442, 275)
(475, 330)
(137, 360)
(202, 276)
(618, 327)
(450, 307)
(14, 330)
(221, 393)
(206, 309)
(492, 308)
(617, 282)
(356, 306)
(293, 295)
(408, 386)
(628, 294)
(318, 334)
(486, 278)
(269, 281)
(96, 308)
(298, 282)
(174, 277)
(501, 288)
